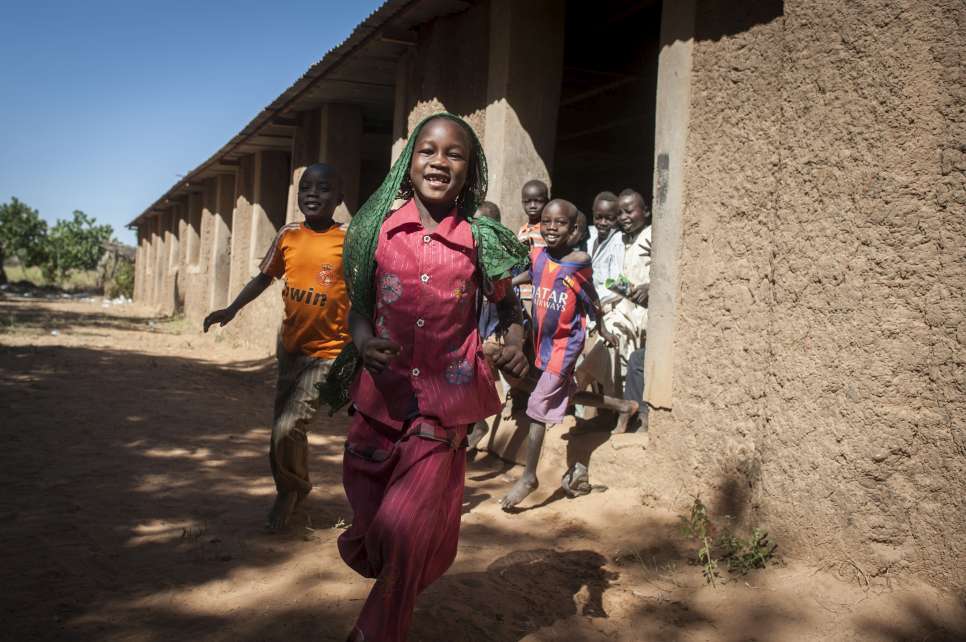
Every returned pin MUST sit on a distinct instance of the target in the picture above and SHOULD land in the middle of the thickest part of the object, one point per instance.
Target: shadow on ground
(127, 474)
(916, 621)
(135, 486)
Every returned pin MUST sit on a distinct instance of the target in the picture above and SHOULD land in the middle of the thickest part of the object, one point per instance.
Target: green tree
(74, 244)
(23, 234)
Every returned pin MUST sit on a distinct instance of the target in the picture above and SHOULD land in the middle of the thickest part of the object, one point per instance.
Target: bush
(122, 283)
(65, 252)
(23, 235)
(76, 244)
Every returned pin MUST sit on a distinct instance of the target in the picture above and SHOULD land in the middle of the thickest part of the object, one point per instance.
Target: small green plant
(697, 525)
(744, 555)
(739, 555)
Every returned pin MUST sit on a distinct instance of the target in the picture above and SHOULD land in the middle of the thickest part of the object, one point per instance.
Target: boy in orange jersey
(308, 256)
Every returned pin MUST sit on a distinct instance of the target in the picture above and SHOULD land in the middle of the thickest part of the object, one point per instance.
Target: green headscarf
(498, 249)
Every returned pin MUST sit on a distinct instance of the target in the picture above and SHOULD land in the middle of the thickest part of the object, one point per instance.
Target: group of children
(391, 315)
(559, 292)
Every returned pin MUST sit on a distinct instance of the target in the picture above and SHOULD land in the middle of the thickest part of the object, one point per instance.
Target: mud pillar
(150, 267)
(180, 233)
(400, 115)
(523, 92)
(157, 254)
(179, 222)
(193, 282)
(137, 264)
(161, 260)
(171, 259)
(340, 145)
(210, 195)
(141, 262)
(271, 180)
(670, 149)
(219, 245)
(191, 241)
(305, 151)
(241, 226)
(186, 231)
(180, 257)
(147, 271)
(137, 261)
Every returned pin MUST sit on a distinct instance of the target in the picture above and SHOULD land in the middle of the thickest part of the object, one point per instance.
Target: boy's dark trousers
(296, 405)
(634, 381)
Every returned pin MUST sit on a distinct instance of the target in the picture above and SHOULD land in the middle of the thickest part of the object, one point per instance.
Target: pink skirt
(549, 400)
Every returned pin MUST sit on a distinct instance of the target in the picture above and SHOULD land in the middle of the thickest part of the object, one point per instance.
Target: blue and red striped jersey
(563, 298)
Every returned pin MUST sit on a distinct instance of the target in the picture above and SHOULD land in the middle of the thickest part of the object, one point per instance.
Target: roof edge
(360, 36)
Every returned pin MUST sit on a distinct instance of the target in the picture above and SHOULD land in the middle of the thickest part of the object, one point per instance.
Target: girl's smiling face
(440, 162)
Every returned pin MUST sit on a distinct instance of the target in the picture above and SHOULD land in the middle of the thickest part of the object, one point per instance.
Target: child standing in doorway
(605, 211)
(535, 195)
(607, 247)
(308, 256)
(413, 275)
(563, 298)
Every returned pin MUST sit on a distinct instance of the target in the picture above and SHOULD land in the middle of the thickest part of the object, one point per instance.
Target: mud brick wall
(819, 376)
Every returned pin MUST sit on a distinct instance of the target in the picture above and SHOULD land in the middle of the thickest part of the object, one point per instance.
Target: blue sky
(105, 102)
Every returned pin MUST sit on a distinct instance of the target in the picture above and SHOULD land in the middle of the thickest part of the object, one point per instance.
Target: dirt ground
(135, 476)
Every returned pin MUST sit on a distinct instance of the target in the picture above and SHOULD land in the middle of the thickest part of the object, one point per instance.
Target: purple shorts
(549, 400)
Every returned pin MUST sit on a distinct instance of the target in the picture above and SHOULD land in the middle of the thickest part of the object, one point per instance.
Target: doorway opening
(605, 124)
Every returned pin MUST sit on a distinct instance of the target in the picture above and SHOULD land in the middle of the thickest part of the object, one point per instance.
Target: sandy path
(135, 481)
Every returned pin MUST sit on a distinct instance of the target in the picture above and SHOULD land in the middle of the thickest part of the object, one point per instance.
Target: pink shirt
(426, 298)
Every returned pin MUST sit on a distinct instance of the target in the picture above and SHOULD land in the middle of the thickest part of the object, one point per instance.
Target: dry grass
(74, 282)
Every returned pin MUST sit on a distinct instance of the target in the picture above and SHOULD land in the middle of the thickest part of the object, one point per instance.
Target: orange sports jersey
(530, 236)
(316, 303)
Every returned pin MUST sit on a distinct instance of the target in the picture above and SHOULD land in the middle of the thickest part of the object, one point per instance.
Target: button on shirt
(426, 297)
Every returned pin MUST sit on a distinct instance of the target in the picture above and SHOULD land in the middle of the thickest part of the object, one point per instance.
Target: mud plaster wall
(819, 379)
(448, 68)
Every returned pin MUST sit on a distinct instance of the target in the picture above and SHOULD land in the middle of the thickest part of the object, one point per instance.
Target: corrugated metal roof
(400, 14)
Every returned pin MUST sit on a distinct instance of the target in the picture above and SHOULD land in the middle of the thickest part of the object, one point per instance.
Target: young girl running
(414, 275)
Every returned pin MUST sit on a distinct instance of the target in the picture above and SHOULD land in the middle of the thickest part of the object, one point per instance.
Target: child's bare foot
(626, 414)
(524, 486)
(476, 436)
(282, 509)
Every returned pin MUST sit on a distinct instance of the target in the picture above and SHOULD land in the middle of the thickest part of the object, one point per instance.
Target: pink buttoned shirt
(426, 298)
